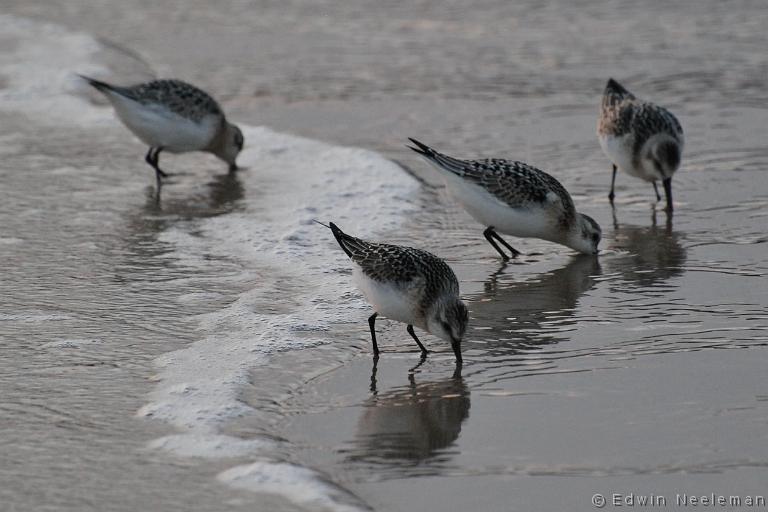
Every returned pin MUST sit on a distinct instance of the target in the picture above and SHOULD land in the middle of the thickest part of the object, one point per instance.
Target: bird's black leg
(413, 335)
(656, 189)
(157, 163)
(488, 233)
(153, 159)
(456, 346)
(422, 360)
(668, 192)
(515, 253)
(372, 324)
(373, 387)
(611, 195)
(150, 158)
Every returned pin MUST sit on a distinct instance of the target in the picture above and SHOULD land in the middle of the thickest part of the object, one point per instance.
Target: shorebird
(641, 138)
(516, 199)
(408, 285)
(173, 116)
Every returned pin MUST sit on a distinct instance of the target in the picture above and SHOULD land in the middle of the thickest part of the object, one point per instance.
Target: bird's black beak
(668, 192)
(233, 167)
(456, 345)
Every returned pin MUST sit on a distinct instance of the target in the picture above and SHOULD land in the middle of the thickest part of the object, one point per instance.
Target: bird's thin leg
(372, 324)
(456, 346)
(153, 159)
(668, 192)
(158, 170)
(422, 360)
(656, 189)
(611, 194)
(488, 233)
(373, 386)
(159, 181)
(497, 236)
(150, 158)
(413, 335)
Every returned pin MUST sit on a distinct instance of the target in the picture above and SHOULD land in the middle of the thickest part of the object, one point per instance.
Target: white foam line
(200, 385)
(304, 486)
(319, 181)
(38, 72)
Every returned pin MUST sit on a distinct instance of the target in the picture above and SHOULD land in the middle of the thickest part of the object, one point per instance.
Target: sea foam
(293, 306)
(298, 293)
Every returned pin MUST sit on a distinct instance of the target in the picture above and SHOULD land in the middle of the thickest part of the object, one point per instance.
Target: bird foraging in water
(173, 116)
(516, 199)
(408, 285)
(641, 138)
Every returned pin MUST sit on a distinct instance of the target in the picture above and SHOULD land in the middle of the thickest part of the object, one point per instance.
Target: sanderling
(643, 139)
(173, 116)
(408, 285)
(516, 199)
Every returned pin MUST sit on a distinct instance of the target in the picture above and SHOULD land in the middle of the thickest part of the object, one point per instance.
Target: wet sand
(639, 371)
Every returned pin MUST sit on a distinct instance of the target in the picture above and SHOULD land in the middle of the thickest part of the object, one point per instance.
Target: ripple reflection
(413, 424)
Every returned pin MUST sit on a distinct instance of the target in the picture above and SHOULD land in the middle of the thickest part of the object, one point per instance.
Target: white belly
(534, 222)
(619, 151)
(158, 127)
(393, 302)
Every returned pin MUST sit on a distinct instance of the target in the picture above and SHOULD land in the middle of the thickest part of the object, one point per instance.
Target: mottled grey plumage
(622, 113)
(179, 97)
(403, 266)
(514, 198)
(517, 184)
(173, 116)
(640, 137)
(407, 285)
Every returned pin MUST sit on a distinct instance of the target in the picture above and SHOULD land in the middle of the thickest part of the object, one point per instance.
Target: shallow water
(209, 352)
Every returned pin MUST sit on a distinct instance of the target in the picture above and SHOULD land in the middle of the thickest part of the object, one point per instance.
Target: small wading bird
(642, 139)
(516, 199)
(173, 116)
(407, 285)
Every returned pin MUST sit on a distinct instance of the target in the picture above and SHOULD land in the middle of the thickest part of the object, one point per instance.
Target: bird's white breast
(390, 300)
(158, 126)
(620, 151)
(528, 222)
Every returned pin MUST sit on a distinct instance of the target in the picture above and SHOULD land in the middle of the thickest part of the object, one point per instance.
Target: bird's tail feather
(614, 88)
(448, 163)
(106, 88)
(97, 84)
(345, 241)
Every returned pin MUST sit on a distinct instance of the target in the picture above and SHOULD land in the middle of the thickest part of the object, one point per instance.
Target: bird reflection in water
(223, 194)
(413, 423)
(534, 311)
(656, 253)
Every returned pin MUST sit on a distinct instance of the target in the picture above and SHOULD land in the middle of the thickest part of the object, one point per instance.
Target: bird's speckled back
(180, 97)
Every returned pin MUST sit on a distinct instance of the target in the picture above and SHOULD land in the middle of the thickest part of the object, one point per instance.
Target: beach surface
(209, 352)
